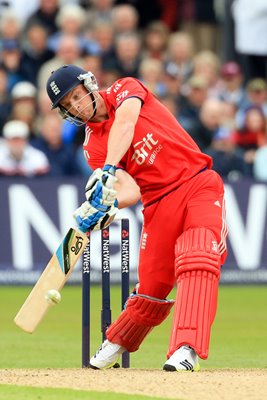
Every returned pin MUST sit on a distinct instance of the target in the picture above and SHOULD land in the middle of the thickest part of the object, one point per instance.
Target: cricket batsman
(139, 151)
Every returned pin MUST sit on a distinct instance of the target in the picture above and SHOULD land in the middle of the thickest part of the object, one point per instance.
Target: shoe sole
(113, 365)
(171, 368)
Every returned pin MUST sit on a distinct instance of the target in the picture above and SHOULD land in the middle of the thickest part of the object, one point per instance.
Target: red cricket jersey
(162, 154)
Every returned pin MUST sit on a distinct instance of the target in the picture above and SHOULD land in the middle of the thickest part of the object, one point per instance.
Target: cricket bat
(54, 276)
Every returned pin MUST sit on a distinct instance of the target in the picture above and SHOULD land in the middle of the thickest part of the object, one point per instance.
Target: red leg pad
(141, 314)
(197, 269)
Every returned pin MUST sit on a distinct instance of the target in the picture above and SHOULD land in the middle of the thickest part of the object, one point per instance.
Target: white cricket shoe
(106, 356)
(183, 359)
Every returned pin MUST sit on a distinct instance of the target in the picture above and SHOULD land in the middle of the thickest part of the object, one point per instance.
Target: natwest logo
(144, 149)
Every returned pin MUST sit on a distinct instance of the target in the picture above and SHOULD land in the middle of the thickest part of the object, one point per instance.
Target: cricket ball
(53, 296)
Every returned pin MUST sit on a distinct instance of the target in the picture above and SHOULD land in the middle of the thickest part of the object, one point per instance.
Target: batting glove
(90, 218)
(99, 188)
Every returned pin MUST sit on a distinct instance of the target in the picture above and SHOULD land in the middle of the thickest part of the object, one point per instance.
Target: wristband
(110, 169)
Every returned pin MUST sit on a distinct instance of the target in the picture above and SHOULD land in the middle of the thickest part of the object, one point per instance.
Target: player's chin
(84, 118)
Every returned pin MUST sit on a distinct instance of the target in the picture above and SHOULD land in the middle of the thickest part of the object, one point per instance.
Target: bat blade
(54, 276)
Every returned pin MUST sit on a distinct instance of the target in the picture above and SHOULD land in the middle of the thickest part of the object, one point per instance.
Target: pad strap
(141, 314)
(197, 269)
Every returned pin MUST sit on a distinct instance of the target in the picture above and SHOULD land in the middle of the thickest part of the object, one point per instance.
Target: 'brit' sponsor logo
(146, 150)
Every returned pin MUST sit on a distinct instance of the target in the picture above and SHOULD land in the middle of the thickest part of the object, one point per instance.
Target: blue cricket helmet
(66, 78)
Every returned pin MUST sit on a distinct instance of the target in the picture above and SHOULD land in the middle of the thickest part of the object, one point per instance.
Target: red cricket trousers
(196, 203)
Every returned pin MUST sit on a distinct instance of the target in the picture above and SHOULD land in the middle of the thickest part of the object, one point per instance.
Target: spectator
(100, 11)
(173, 82)
(209, 123)
(231, 86)
(180, 53)
(5, 100)
(68, 52)
(256, 95)
(103, 34)
(151, 75)
(10, 60)
(24, 91)
(228, 159)
(155, 40)
(10, 26)
(25, 112)
(24, 104)
(191, 103)
(127, 49)
(35, 52)
(71, 21)
(252, 135)
(17, 156)
(61, 155)
(207, 64)
(124, 19)
(45, 15)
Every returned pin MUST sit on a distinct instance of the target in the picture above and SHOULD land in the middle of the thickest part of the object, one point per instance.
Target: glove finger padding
(87, 216)
(90, 218)
(102, 198)
(106, 220)
(99, 190)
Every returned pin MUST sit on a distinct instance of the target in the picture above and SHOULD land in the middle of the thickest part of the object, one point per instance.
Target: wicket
(125, 283)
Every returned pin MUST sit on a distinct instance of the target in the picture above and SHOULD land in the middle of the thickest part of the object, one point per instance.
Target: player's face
(78, 103)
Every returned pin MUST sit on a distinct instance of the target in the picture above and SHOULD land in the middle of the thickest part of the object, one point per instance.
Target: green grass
(28, 393)
(238, 336)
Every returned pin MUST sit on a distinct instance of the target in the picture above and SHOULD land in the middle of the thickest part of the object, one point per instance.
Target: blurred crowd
(206, 60)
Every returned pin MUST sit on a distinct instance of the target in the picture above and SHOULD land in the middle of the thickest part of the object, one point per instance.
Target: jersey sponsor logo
(122, 95)
(146, 150)
(54, 87)
(115, 88)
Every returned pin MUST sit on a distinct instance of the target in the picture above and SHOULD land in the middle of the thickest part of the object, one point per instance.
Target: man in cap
(17, 156)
